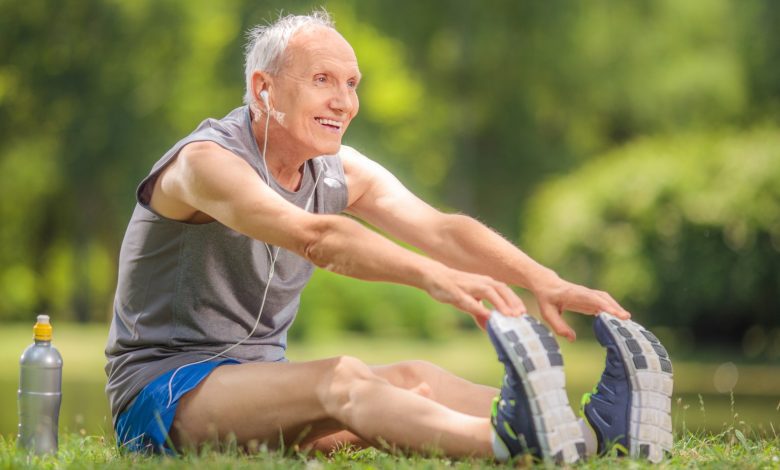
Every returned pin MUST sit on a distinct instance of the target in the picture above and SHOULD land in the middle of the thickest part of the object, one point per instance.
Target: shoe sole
(649, 369)
(536, 357)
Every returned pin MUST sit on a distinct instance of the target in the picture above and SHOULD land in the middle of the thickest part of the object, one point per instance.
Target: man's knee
(417, 376)
(345, 377)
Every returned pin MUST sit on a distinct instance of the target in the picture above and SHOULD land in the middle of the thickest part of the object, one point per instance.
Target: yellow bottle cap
(42, 329)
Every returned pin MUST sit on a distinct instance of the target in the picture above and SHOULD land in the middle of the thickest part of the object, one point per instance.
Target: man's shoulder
(352, 158)
(347, 151)
(234, 125)
(228, 135)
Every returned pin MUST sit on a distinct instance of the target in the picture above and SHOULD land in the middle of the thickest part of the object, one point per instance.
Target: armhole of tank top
(144, 190)
(338, 168)
(143, 194)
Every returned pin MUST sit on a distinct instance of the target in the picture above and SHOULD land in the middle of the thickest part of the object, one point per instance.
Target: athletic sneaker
(532, 412)
(630, 407)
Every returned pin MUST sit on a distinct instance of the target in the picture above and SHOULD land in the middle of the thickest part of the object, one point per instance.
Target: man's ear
(261, 81)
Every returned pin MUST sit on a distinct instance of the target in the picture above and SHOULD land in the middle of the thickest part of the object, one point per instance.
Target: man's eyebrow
(316, 69)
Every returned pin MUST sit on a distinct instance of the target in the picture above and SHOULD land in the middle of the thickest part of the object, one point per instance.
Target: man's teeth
(329, 122)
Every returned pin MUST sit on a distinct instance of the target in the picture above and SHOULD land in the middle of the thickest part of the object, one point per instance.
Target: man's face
(316, 90)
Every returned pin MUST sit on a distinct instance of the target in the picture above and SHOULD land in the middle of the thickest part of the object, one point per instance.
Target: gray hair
(267, 43)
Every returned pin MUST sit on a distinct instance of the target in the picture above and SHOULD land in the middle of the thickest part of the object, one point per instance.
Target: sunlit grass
(697, 405)
(731, 448)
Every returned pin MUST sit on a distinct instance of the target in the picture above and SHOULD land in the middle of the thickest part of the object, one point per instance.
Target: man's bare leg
(425, 379)
(262, 401)
(440, 385)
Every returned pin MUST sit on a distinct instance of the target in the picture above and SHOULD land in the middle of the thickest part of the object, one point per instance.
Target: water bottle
(40, 386)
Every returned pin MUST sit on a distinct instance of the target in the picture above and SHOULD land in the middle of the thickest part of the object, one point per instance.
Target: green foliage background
(686, 226)
(630, 145)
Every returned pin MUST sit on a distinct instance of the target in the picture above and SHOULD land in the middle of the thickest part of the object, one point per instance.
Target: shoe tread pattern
(537, 359)
(650, 371)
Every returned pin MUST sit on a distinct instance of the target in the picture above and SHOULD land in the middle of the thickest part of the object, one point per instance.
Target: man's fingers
(492, 295)
(618, 312)
(501, 304)
(474, 307)
(591, 302)
(552, 315)
(509, 296)
(613, 307)
(498, 294)
(482, 321)
(575, 298)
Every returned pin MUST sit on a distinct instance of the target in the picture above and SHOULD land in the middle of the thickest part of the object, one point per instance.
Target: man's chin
(331, 149)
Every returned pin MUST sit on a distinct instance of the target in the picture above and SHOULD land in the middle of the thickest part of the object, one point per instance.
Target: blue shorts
(144, 426)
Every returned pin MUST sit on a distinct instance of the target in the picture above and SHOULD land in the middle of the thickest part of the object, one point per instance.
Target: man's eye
(320, 79)
(352, 84)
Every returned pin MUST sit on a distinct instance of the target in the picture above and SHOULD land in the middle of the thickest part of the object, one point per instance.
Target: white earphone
(272, 253)
(263, 95)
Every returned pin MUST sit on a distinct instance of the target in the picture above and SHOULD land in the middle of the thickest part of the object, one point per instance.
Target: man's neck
(284, 164)
(287, 176)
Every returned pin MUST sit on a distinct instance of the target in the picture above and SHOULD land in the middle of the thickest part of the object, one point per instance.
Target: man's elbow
(320, 240)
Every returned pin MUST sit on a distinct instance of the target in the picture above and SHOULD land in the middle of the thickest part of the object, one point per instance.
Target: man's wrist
(430, 273)
(543, 279)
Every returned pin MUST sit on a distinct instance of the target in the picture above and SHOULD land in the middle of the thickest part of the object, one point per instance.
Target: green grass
(732, 448)
(85, 408)
(711, 429)
(469, 355)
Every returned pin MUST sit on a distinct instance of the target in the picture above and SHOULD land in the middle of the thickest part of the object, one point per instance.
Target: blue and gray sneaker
(630, 408)
(532, 412)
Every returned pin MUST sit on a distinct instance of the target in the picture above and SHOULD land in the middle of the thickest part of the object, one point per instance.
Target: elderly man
(226, 233)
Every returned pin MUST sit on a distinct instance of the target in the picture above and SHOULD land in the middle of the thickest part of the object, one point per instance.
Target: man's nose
(342, 100)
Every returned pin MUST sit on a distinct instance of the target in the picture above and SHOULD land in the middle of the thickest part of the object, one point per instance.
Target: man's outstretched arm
(464, 243)
(207, 179)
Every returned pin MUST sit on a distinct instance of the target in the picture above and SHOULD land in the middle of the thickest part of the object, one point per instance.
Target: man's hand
(466, 292)
(465, 245)
(556, 295)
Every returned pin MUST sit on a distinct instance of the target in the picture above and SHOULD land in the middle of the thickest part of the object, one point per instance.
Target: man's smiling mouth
(330, 123)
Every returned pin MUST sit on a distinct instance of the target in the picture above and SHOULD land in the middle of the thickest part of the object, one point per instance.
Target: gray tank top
(186, 292)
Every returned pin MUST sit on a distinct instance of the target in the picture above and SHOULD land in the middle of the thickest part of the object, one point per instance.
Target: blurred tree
(85, 89)
(333, 303)
(534, 88)
(473, 105)
(760, 50)
(91, 100)
(685, 230)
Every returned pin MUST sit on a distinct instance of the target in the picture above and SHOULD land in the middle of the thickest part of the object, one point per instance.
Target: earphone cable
(271, 269)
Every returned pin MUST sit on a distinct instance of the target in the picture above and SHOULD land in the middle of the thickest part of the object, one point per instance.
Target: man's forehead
(313, 45)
